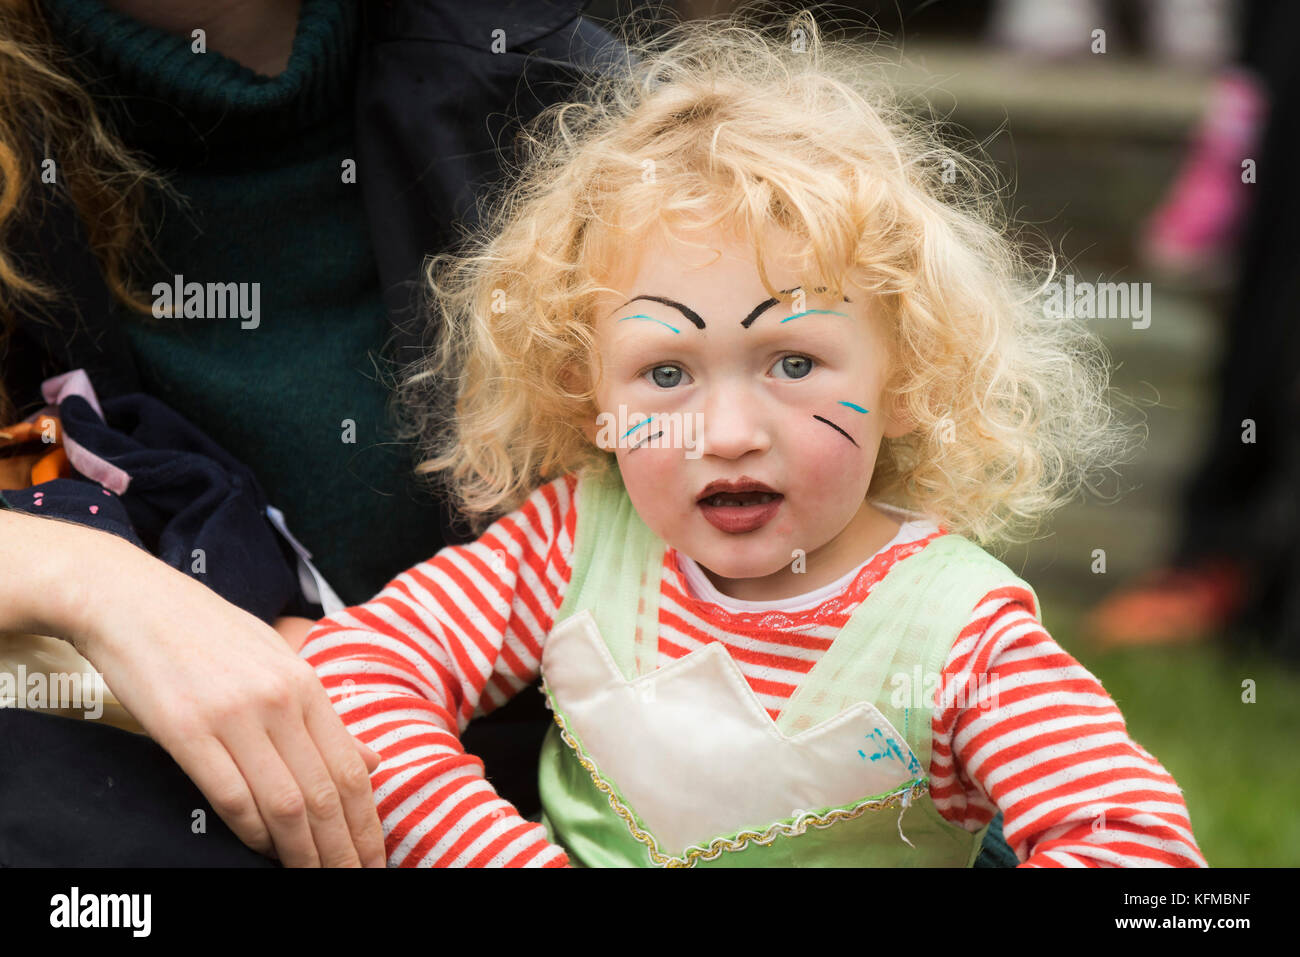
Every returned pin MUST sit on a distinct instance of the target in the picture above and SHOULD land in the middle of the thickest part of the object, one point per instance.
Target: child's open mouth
(737, 512)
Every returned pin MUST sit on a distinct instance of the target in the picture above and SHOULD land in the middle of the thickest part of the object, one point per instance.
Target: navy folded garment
(186, 500)
(79, 794)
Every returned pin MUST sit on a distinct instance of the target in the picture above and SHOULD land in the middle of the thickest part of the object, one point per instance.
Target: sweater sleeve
(1020, 726)
(451, 639)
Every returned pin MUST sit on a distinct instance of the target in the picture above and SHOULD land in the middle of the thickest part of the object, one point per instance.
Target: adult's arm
(219, 689)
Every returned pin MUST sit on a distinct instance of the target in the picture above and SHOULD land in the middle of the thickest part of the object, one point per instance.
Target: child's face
(797, 405)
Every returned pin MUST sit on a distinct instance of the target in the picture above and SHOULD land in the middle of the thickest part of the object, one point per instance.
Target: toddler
(747, 372)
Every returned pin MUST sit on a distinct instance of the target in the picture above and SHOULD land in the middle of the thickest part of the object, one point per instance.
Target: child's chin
(724, 566)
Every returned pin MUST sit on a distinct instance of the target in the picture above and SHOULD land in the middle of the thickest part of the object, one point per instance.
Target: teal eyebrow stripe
(855, 408)
(817, 312)
(652, 319)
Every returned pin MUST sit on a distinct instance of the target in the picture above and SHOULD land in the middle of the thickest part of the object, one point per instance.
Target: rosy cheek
(824, 463)
(653, 481)
(829, 436)
(652, 471)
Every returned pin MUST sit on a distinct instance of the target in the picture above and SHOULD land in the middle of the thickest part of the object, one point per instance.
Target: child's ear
(589, 428)
(575, 380)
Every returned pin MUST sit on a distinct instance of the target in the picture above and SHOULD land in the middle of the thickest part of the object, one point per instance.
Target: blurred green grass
(1236, 762)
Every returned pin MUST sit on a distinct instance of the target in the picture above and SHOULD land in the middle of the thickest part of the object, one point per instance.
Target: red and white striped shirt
(456, 636)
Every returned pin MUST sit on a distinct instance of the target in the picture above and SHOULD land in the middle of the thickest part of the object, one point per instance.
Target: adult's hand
(220, 690)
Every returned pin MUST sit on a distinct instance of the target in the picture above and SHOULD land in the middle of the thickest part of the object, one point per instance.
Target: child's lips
(737, 519)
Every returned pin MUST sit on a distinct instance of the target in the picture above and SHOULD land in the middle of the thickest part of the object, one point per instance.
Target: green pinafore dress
(682, 766)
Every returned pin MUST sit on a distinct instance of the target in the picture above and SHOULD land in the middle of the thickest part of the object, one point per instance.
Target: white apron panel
(694, 753)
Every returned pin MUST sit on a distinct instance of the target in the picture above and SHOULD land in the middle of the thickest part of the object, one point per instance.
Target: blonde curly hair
(44, 105)
(752, 125)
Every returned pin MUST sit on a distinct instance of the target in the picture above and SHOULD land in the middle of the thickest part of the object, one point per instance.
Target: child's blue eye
(796, 367)
(671, 376)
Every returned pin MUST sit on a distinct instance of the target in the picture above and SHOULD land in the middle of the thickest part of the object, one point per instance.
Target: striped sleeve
(1019, 725)
(451, 639)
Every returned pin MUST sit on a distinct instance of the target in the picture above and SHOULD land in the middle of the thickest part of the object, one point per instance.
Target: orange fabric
(55, 465)
(33, 468)
(21, 432)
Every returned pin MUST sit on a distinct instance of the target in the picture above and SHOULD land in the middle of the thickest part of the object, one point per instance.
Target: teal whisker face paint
(653, 319)
(635, 427)
(855, 408)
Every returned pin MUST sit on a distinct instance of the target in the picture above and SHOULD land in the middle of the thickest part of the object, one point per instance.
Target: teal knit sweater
(260, 161)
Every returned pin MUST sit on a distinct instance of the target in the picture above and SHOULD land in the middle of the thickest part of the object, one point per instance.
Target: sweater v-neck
(171, 95)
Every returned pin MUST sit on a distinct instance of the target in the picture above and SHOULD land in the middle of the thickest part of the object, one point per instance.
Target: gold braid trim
(905, 795)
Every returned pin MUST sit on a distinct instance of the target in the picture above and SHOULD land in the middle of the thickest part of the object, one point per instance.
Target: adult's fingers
(321, 798)
(208, 764)
(275, 788)
(351, 778)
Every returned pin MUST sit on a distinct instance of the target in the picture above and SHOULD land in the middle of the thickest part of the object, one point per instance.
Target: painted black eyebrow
(768, 303)
(700, 323)
(684, 310)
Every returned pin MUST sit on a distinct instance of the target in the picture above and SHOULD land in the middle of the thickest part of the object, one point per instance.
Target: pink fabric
(76, 382)
(54, 390)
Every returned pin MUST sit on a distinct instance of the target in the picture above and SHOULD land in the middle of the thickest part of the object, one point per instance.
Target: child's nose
(733, 423)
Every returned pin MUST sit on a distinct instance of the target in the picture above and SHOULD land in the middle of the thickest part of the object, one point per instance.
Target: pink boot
(1193, 231)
